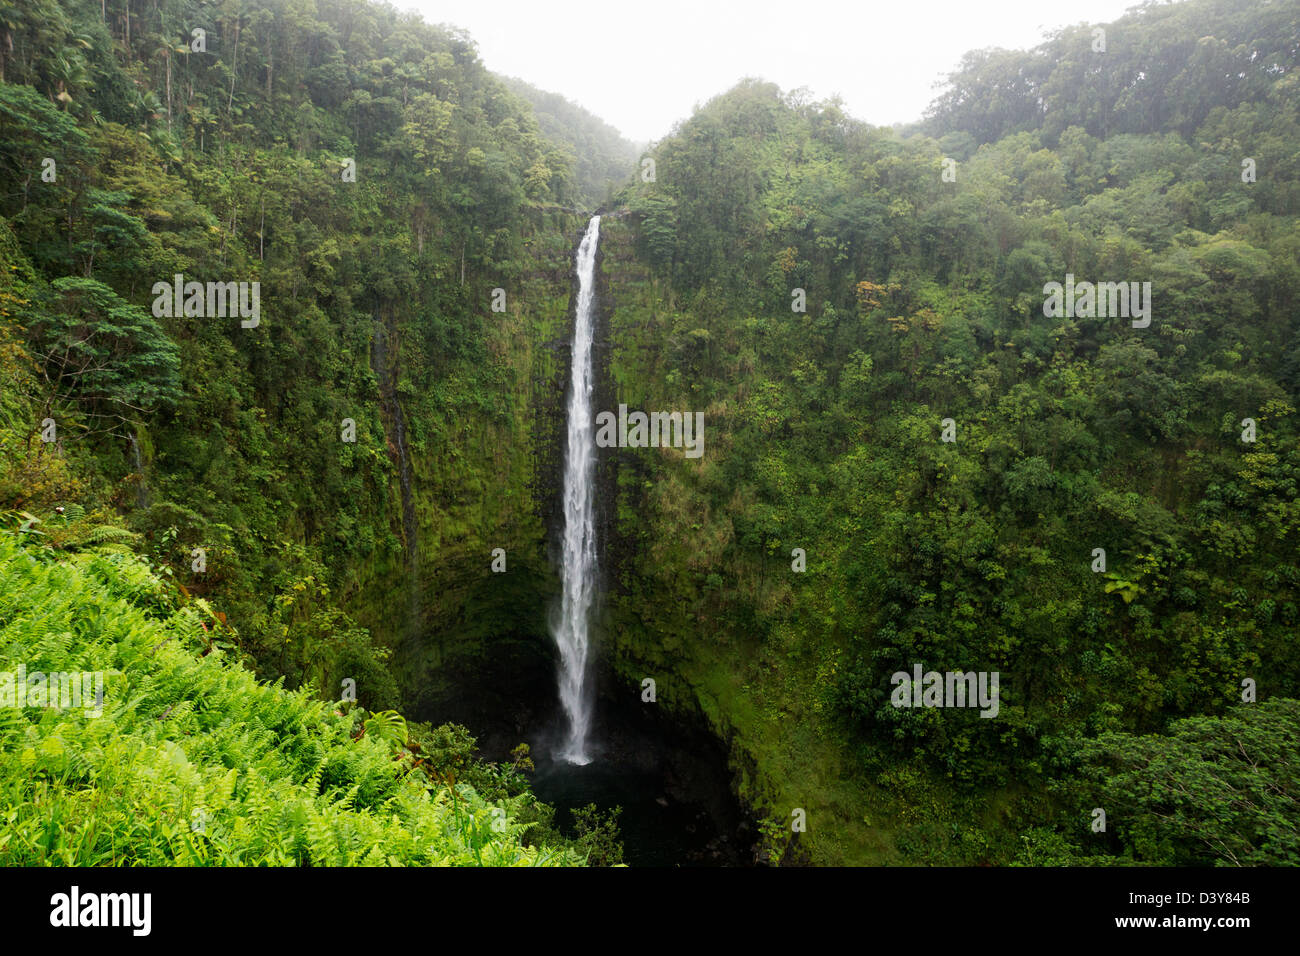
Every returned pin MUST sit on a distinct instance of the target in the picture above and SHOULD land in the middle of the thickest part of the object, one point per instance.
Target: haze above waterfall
(829, 47)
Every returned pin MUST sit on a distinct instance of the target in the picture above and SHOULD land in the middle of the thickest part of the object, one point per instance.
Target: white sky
(641, 65)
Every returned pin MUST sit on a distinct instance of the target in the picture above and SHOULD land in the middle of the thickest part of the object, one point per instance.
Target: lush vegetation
(925, 302)
(217, 451)
(232, 165)
(186, 510)
(601, 158)
(193, 761)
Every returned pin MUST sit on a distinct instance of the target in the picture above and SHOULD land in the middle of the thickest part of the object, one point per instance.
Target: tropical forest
(401, 466)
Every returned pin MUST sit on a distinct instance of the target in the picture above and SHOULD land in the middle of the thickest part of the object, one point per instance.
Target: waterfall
(387, 375)
(141, 491)
(409, 523)
(578, 554)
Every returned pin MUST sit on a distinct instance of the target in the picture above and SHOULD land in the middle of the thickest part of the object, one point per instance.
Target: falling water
(141, 490)
(387, 375)
(578, 556)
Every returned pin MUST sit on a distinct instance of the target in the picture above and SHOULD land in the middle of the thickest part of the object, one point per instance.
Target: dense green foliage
(602, 159)
(127, 156)
(925, 302)
(1222, 789)
(192, 760)
(230, 164)
(217, 452)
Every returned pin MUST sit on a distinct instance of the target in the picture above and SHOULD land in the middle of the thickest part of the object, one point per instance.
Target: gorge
(486, 556)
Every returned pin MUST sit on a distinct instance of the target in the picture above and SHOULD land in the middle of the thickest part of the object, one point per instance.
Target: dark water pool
(669, 775)
(664, 821)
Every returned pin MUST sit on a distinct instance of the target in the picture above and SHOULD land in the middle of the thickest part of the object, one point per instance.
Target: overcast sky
(641, 65)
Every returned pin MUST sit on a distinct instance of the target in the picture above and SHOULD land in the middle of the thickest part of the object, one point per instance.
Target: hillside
(343, 476)
(182, 757)
(924, 316)
(602, 159)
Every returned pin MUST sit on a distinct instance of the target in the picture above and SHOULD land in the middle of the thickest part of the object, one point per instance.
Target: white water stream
(578, 555)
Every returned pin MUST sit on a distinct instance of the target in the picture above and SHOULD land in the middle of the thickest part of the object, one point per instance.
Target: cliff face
(478, 644)
(678, 610)
(479, 651)
(483, 475)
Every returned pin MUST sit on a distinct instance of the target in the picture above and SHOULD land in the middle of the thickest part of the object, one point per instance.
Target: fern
(278, 775)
